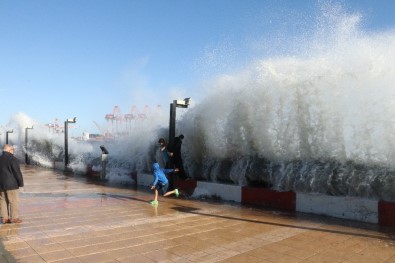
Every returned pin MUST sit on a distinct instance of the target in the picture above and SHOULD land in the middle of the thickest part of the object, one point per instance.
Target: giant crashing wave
(318, 122)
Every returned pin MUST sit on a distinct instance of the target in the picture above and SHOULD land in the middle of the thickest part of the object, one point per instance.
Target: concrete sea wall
(345, 207)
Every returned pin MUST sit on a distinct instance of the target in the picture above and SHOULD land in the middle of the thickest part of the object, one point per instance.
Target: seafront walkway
(73, 219)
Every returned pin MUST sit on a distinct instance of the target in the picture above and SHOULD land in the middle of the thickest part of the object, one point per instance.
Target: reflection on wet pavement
(71, 219)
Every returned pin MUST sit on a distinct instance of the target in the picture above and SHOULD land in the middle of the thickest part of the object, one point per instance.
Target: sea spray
(321, 121)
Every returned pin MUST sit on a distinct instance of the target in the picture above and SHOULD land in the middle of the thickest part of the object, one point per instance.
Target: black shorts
(162, 188)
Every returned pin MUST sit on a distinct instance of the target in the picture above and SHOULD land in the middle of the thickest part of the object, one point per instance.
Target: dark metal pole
(26, 155)
(172, 124)
(6, 136)
(66, 142)
(66, 146)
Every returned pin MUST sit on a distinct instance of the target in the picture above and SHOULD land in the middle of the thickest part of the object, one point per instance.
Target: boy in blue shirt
(161, 183)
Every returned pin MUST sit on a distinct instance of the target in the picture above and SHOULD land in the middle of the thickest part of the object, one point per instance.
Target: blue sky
(66, 58)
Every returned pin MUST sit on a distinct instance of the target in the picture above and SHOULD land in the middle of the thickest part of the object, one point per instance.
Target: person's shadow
(5, 256)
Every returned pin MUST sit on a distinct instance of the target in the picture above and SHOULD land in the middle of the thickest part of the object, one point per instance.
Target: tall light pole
(6, 135)
(26, 155)
(172, 124)
(66, 143)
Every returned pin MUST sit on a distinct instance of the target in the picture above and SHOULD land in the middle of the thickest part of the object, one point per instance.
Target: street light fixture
(6, 135)
(66, 143)
(172, 125)
(183, 103)
(26, 155)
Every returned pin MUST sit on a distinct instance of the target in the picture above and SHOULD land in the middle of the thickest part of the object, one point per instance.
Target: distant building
(96, 137)
(85, 136)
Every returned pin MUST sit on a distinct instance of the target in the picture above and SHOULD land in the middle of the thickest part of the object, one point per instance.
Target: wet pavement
(73, 219)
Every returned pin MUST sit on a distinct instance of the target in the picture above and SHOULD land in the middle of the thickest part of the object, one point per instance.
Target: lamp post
(66, 143)
(6, 135)
(26, 155)
(172, 124)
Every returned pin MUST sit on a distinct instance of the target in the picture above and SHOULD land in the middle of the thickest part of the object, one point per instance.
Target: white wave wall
(333, 100)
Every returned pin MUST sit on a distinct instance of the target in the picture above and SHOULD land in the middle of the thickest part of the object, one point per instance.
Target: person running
(161, 183)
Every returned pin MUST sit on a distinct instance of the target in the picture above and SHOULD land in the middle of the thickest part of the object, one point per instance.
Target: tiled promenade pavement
(69, 219)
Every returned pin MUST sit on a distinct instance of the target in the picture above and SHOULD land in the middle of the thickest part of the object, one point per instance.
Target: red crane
(130, 116)
(56, 128)
(143, 115)
(116, 116)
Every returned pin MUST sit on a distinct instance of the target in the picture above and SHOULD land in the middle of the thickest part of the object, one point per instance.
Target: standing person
(177, 159)
(104, 161)
(10, 180)
(167, 160)
(165, 153)
(161, 183)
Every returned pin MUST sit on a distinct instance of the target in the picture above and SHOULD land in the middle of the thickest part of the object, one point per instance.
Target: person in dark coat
(166, 154)
(10, 180)
(177, 158)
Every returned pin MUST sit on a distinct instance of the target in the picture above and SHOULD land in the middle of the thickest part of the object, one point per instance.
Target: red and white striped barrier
(345, 207)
